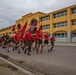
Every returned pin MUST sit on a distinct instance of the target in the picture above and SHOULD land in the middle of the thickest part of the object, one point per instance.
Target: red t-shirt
(25, 36)
(21, 39)
(29, 36)
(24, 39)
(52, 39)
(35, 38)
(46, 36)
(40, 35)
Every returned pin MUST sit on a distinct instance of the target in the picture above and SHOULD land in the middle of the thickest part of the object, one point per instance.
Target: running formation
(25, 40)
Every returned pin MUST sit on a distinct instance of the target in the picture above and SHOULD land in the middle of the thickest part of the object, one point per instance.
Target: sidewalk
(66, 44)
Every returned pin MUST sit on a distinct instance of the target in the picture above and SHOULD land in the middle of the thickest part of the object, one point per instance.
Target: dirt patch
(21, 61)
(4, 56)
(7, 69)
(3, 65)
(9, 66)
(12, 67)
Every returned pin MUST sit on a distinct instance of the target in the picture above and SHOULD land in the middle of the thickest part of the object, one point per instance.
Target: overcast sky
(12, 10)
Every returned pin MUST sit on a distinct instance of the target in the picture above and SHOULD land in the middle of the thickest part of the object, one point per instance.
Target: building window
(73, 34)
(60, 14)
(61, 24)
(73, 10)
(60, 35)
(73, 22)
(45, 18)
(46, 26)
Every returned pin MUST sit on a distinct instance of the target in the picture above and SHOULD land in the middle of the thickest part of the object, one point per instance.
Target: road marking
(18, 67)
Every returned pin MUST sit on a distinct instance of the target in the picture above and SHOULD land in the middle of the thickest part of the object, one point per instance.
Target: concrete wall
(74, 39)
(61, 40)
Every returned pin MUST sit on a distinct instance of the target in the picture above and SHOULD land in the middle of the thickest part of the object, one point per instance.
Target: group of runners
(28, 41)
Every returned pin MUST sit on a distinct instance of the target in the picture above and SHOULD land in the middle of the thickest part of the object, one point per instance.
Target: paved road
(61, 61)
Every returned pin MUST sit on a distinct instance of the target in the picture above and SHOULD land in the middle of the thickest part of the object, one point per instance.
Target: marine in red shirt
(29, 36)
(21, 39)
(29, 41)
(52, 39)
(40, 37)
(35, 39)
(46, 37)
(46, 42)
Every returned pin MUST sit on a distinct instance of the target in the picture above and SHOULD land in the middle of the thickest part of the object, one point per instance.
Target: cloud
(12, 10)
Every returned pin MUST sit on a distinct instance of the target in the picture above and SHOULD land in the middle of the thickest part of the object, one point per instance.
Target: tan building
(61, 23)
(3, 31)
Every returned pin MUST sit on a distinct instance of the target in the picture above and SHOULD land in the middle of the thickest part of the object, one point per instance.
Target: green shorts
(52, 43)
(29, 42)
(46, 42)
(40, 42)
(7, 42)
(25, 42)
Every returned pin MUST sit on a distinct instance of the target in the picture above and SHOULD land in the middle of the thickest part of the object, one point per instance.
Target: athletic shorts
(29, 42)
(40, 42)
(52, 43)
(46, 42)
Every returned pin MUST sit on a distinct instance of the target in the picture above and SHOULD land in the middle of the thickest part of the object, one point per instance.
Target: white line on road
(18, 67)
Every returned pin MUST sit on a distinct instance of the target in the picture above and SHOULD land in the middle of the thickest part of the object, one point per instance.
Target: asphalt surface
(61, 61)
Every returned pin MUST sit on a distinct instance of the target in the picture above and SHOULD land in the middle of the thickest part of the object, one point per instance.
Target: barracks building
(61, 23)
